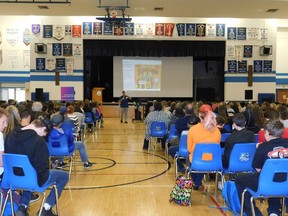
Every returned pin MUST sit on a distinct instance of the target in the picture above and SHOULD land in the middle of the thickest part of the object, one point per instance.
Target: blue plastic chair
(27, 180)
(256, 137)
(89, 120)
(158, 130)
(241, 158)
(58, 147)
(228, 128)
(98, 119)
(207, 158)
(183, 152)
(224, 136)
(171, 135)
(266, 186)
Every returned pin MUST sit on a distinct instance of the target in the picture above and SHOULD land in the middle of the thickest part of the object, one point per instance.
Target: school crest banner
(149, 29)
(56, 49)
(87, 28)
(97, 28)
(231, 33)
(159, 29)
(169, 28)
(61, 64)
(40, 64)
(77, 49)
(190, 29)
(211, 30)
(58, 32)
(139, 29)
(200, 30)
(220, 30)
(47, 31)
(69, 66)
(67, 49)
(76, 31)
(180, 29)
(12, 36)
(26, 37)
(118, 30)
(129, 29)
(36, 29)
(108, 28)
(50, 64)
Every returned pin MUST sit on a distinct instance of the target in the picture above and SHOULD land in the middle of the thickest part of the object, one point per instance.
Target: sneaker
(61, 165)
(34, 197)
(47, 212)
(88, 165)
(126, 122)
(195, 187)
(22, 211)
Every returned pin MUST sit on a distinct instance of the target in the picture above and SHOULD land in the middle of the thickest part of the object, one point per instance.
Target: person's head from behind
(70, 109)
(273, 129)
(37, 106)
(179, 112)
(42, 126)
(123, 93)
(207, 117)
(283, 112)
(157, 106)
(13, 119)
(57, 120)
(239, 121)
(189, 109)
(3, 119)
(25, 115)
(221, 121)
(271, 115)
(193, 120)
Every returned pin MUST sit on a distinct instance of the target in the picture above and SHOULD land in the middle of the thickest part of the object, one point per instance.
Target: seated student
(239, 135)
(29, 140)
(273, 133)
(57, 131)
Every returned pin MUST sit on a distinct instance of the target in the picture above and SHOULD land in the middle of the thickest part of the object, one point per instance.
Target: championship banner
(200, 30)
(36, 28)
(68, 29)
(58, 32)
(248, 50)
(190, 29)
(139, 29)
(242, 66)
(1, 57)
(232, 66)
(69, 66)
(253, 34)
(97, 28)
(220, 30)
(60, 64)
(180, 29)
(258, 66)
(267, 66)
(26, 58)
(67, 49)
(40, 64)
(241, 33)
(149, 29)
(210, 30)
(230, 51)
(129, 29)
(50, 64)
(76, 31)
(169, 28)
(67, 94)
(56, 49)
(108, 28)
(159, 29)
(118, 30)
(239, 53)
(13, 58)
(263, 33)
(87, 28)
(231, 33)
(77, 49)
(47, 31)
(26, 37)
(12, 36)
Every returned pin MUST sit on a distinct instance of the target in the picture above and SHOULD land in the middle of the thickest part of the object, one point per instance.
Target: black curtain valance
(154, 48)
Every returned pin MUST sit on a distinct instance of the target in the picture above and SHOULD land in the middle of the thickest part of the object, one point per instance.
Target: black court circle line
(127, 183)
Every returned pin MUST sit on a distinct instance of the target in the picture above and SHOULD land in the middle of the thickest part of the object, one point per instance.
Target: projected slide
(144, 75)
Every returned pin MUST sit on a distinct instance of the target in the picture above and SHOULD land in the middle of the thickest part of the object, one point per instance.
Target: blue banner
(242, 66)
(231, 33)
(40, 64)
(267, 66)
(248, 50)
(97, 28)
(47, 31)
(129, 29)
(56, 49)
(220, 30)
(67, 49)
(241, 33)
(258, 65)
(61, 64)
(232, 66)
(87, 28)
(190, 29)
(180, 29)
(108, 28)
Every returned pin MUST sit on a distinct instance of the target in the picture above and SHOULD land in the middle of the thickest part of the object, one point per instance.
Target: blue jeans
(59, 177)
(172, 151)
(196, 177)
(82, 151)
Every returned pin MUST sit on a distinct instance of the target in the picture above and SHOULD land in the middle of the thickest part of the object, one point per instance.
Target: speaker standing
(123, 101)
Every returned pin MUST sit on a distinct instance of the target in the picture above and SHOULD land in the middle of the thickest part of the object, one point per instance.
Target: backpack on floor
(181, 191)
(230, 195)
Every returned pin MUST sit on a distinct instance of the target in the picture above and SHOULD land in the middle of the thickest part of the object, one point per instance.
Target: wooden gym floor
(127, 181)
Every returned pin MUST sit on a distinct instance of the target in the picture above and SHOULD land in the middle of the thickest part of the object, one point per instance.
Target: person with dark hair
(25, 117)
(283, 112)
(157, 115)
(123, 101)
(239, 135)
(273, 132)
(29, 141)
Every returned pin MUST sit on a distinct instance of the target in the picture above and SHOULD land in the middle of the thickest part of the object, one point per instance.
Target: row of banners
(58, 64)
(259, 66)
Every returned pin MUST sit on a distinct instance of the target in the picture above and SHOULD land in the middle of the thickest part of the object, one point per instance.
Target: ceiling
(171, 8)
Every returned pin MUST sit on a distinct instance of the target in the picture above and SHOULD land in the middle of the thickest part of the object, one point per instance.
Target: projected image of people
(147, 76)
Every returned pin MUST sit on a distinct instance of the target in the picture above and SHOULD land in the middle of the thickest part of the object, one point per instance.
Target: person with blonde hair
(205, 131)
(3, 125)
(13, 119)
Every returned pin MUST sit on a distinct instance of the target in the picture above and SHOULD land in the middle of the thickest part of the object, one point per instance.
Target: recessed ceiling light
(158, 8)
(272, 10)
(43, 7)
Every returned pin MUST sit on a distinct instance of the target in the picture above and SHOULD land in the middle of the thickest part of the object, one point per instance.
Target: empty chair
(171, 135)
(183, 152)
(267, 187)
(20, 175)
(158, 131)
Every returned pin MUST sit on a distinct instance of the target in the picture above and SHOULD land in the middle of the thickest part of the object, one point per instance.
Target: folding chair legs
(9, 194)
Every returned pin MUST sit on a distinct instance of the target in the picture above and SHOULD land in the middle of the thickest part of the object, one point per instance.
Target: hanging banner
(139, 29)
(169, 28)
(77, 49)
(267, 66)
(231, 33)
(67, 49)
(200, 30)
(247, 51)
(242, 66)
(263, 33)
(258, 66)
(40, 64)
(87, 28)
(97, 28)
(118, 30)
(159, 29)
(50, 64)
(220, 30)
(230, 51)
(26, 58)
(26, 37)
(129, 29)
(241, 33)
(253, 33)
(210, 30)
(13, 58)
(1, 57)
(149, 29)
(60, 64)
(67, 94)
(232, 66)
(36, 28)
(56, 49)
(68, 29)
(180, 29)
(190, 29)
(69, 66)
(58, 32)
(47, 31)
(108, 28)
(76, 31)
(12, 36)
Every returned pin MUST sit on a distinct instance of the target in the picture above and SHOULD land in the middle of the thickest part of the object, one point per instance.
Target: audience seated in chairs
(57, 131)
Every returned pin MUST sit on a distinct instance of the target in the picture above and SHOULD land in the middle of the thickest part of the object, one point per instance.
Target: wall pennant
(169, 28)
(12, 36)
(26, 37)
(76, 31)
(58, 32)
(47, 31)
(159, 29)
(36, 28)
(50, 64)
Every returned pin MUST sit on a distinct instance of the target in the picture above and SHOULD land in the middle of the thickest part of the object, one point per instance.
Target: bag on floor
(181, 191)
(230, 195)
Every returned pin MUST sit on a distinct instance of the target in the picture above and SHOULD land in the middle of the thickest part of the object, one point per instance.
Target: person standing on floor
(123, 101)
